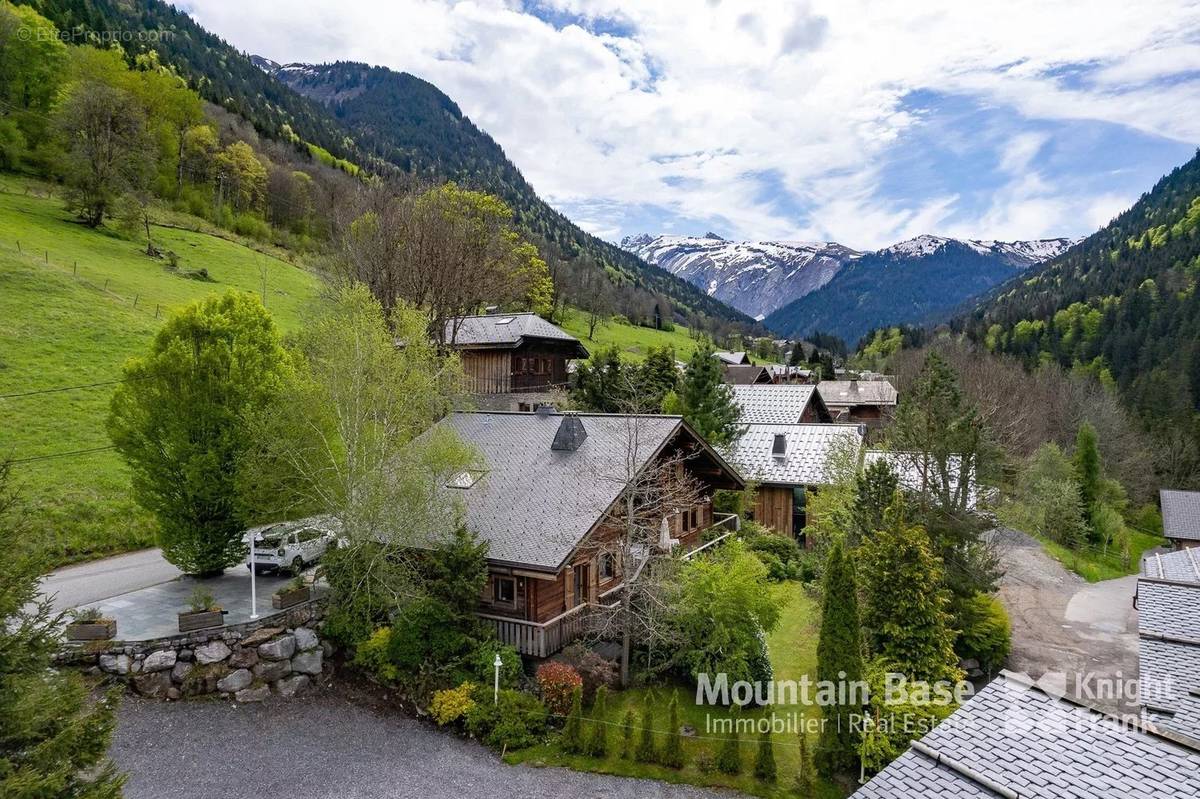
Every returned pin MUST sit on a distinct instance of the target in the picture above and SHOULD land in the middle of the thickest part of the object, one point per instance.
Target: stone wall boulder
(280, 648)
(306, 639)
(307, 662)
(272, 670)
(212, 652)
(161, 660)
(235, 681)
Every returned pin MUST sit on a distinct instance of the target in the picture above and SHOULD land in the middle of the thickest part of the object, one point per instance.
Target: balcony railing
(543, 639)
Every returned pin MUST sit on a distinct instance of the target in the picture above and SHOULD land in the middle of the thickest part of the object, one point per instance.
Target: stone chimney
(570, 435)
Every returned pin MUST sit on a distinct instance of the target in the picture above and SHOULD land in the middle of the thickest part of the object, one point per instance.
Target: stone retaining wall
(281, 654)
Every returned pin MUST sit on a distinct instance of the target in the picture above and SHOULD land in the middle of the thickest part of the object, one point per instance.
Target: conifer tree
(839, 660)
(672, 756)
(804, 781)
(874, 488)
(572, 741)
(627, 735)
(53, 738)
(729, 758)
(646, 751)
(598, 743)
(704, 399)
(1088, 471)
(764, 762)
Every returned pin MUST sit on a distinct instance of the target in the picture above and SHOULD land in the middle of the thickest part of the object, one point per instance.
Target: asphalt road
(331, 746)
(100, 579)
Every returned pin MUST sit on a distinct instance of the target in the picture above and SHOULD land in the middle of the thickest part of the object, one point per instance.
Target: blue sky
(854, 121)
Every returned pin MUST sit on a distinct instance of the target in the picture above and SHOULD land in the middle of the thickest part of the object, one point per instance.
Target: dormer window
(779, 447)
(505, 320)
(464, 479)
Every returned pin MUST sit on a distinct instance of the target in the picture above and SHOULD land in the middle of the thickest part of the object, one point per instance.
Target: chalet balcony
(543, 639)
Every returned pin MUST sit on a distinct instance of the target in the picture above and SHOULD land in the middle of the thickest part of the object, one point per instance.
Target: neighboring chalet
(738, 358)
(741, 375)
(545, 499)
(788, 462)
(790, 374)
(1168, 605)
(1181, 517)
(1013, 740)
(871, 402)
(513, 361)
(780, 404)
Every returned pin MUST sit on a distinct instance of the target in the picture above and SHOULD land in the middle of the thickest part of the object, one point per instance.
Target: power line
(71, 388)
(61, 455)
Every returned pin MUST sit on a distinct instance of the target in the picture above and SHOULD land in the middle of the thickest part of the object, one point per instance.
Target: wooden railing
(545, 638)
(729, 523)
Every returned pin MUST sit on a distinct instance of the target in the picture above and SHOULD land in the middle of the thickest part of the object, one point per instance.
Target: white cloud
(713, 112)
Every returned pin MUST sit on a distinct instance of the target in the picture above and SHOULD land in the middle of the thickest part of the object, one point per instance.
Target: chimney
(570, 435)
(546, 409)
(854, 385)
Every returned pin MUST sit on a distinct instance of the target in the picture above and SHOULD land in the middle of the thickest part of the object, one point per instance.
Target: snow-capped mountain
(756, 277)
(760, 277)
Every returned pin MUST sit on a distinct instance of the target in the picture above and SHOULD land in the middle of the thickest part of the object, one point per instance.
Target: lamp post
(253, 586)
(496, 690)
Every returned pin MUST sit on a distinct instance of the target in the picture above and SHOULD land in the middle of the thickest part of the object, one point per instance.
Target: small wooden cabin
(513, 353)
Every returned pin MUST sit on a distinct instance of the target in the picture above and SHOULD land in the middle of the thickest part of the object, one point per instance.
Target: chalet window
(695, 518)
(685, 521)
(504, 589)
(608, 566)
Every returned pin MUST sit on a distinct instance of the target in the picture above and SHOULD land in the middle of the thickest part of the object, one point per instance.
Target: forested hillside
(1122, 304)
(395, 124)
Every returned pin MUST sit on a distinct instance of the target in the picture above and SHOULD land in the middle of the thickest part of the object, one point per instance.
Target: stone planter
(201, 620)
(98, 630)
(286, 597)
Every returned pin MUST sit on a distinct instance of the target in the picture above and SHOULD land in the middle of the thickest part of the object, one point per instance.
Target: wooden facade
(534, 366)
(775, 508)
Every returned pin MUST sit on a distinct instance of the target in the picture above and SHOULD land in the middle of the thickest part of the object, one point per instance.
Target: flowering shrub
(557, 681)
(372, 655)
(452, 704)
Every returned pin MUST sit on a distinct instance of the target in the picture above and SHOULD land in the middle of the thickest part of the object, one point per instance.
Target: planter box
(99, 630)
(200, 621)
(287, 598)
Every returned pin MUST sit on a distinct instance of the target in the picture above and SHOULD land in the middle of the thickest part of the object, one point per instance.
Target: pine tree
(53, 738)
(875, 489)
(672, 755)
(729, 759)
(627, 735)
(598, 743)
(1088, 470)
(657, 376)
(839, 660)
(704, 399)
(646, 751)
(904, 603)
(764, 762)
(572, 740)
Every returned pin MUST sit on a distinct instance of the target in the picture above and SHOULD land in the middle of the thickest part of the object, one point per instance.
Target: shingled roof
(534, 503)
(1169, 654)
(507, 331)
(1181, 514)
(1013, 740)
(805, 452)
(775, 404)
(1182, 566)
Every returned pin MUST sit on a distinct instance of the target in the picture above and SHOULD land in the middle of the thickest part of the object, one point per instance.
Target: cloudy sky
(858, 122)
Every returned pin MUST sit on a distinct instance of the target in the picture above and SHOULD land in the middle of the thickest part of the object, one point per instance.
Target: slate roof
(773, 404)
(1014, 740)
(734, 358)
(857, 392)
(1181, 514)
(804, 460)
(907, 467)
(534, 504)
(1169, 654)
(493, 331)
(1182, 566)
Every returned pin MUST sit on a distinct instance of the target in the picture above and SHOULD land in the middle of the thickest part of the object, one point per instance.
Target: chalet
(1014, 739)
(1168, 605)
(1181, 517)
(732, 358)
(544, 498)
(780, 404)
(741, 375)
(788, 462)
(870, 402)
(513, 361)
(790, 374)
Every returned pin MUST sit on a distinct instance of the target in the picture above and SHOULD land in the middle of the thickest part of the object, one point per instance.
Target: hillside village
(336, 461)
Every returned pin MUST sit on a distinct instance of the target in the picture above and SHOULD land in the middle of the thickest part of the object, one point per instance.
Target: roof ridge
(963, 770)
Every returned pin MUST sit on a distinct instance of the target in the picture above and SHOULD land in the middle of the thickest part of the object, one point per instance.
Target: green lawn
(630, 339)
(70, 320)
(793, 654)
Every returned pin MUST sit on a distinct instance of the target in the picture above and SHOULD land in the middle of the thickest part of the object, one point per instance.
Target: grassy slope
(61, 329)
(1095, 565)
(793, 647)
(632, 340)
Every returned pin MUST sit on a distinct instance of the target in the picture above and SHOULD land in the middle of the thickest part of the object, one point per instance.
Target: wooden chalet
(740, 375)
(780, 404)
(739, 358)
(544, 498)
(871, 402)
(1181, 517)
(513, 361)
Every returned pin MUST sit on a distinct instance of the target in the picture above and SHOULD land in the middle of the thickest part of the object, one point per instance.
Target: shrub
(627, 735)
(705, 763)
(517, 721)
(481, 664)
(984, 631)
(672, 755)
(764, 763)
(426, 632)
(372, 655)
(646, 752)
(598, 742)
(761, 670)
(572, 738)
(729, 759)
(452, 704)
(251, 227)
(558, 683)
(595, 669)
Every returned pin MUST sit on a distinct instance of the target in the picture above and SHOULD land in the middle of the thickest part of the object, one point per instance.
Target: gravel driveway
(330, 745)
(1063, 624)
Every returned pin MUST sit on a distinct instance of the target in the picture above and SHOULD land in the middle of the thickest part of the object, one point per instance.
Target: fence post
(106, 283)
(75, 269)
(47, 256)
(135, 299)
(156, 307)
(18, 245)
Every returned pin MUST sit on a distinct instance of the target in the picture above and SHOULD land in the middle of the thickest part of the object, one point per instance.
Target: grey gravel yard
(332, 745)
